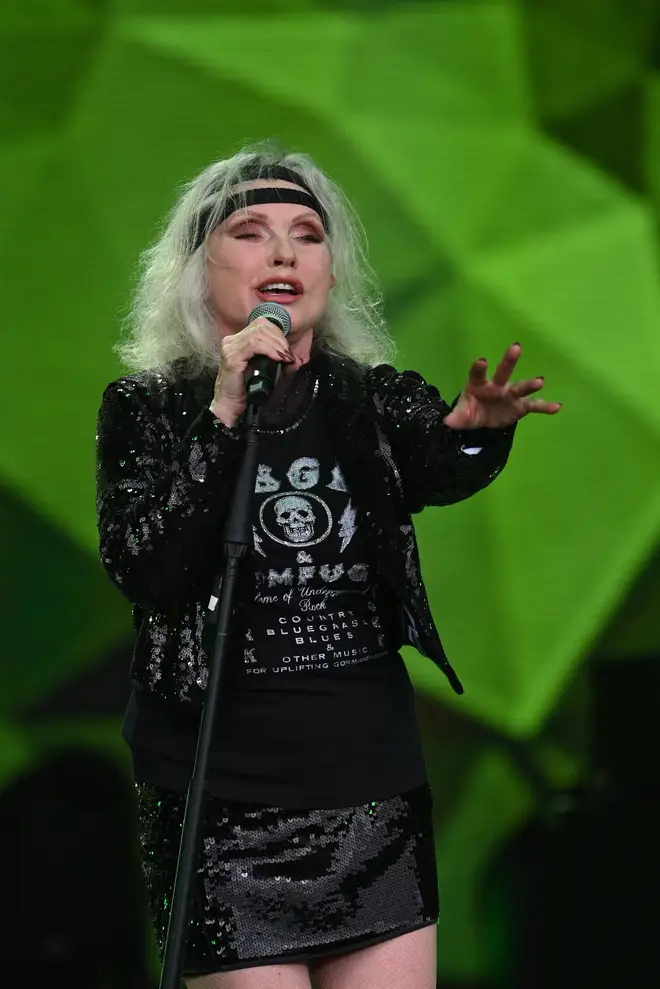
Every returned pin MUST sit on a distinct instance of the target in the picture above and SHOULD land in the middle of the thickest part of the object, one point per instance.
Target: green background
(505, 159)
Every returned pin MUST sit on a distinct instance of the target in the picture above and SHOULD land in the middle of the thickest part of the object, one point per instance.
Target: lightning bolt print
(347, 526)
(257, 541)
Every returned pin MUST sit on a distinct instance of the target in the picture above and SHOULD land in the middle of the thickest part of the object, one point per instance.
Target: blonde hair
(170, 320)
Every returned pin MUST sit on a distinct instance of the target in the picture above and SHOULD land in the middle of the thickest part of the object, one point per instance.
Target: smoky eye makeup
(251, 226)
(308, 231)
(245, 228)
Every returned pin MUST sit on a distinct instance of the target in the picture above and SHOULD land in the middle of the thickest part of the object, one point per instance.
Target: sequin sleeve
(159, 499)
(437, 465)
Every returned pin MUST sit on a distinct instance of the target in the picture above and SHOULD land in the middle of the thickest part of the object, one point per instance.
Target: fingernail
(483, 359)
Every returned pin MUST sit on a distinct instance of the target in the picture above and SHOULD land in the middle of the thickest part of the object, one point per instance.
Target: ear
(333, 281)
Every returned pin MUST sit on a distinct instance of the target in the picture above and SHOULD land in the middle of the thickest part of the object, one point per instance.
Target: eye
(310, 234)
(246, 231)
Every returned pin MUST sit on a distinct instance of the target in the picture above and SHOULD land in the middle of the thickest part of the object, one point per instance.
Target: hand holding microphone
(250, 362)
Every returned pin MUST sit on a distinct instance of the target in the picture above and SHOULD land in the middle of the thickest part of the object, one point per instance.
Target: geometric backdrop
(505, 160)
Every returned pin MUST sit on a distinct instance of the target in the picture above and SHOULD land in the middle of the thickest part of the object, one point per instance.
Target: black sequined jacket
(164, 477)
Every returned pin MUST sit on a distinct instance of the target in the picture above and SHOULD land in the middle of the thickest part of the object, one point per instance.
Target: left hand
(497, 403)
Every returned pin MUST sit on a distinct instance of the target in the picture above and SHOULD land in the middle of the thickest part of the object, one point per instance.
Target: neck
(301, 347)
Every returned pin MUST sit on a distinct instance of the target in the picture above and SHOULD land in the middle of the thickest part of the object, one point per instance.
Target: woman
(318, 856)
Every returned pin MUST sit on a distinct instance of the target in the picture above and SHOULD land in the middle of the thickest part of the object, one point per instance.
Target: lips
(280, 294)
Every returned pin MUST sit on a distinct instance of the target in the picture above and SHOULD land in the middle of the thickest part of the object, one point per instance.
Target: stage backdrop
(505, 160)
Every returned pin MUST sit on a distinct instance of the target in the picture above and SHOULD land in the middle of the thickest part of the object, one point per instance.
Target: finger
(506, 367)
(477, 375)
(263, 326)
(545, 408)
(263, 335)
(523, 388)
(275, 352)
(237, 360)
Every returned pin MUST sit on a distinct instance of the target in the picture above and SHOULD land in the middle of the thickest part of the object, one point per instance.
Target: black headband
(256, 197)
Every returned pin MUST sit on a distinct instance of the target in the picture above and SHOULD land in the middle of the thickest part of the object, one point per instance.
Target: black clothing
(317, 706)
(165, 467)
(276, 885)
(318, 872)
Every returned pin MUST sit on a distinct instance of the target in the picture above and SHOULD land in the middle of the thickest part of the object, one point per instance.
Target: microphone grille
(273, 312)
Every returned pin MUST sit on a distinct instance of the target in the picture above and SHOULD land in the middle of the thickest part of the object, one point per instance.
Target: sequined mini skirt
(276, 885)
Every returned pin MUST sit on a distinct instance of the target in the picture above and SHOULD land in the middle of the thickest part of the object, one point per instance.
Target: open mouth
(284, 291)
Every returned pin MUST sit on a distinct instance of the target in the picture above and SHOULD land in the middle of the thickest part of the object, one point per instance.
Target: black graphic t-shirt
(314, 609)
(317, 708)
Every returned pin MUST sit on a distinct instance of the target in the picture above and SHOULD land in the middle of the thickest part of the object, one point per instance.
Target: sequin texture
(277, 885)
(165, 470)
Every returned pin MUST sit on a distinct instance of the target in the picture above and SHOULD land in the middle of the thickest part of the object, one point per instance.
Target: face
(263, 246)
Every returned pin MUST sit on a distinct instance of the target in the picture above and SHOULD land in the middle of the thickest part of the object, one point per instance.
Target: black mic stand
(236, 540)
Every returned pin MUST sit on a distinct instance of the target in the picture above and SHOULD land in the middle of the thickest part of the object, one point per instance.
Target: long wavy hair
(170, 320)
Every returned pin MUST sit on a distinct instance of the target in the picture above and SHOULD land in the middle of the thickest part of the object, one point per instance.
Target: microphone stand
(236, 540)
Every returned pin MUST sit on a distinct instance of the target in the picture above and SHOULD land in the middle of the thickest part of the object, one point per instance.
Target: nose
(284, 253)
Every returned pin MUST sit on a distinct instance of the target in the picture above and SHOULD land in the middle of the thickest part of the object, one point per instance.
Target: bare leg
(405, 962)
(292, 976)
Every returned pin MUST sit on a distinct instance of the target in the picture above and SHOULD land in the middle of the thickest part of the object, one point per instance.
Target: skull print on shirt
(314, 593)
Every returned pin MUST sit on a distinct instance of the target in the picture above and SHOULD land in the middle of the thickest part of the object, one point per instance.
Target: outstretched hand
(496, 402)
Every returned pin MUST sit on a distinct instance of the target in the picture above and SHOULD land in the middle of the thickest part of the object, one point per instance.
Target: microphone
(262, 372)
